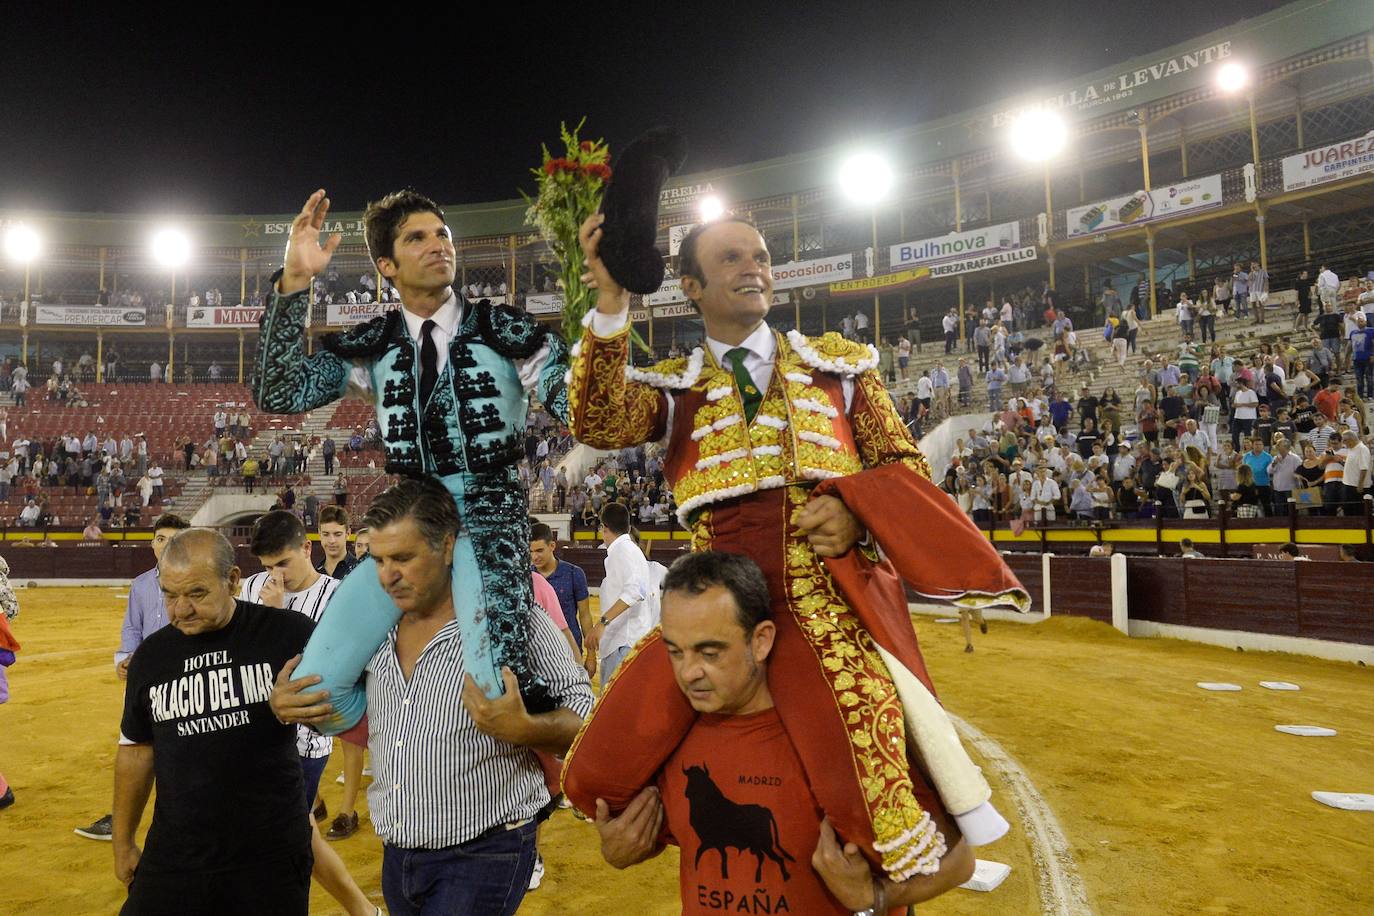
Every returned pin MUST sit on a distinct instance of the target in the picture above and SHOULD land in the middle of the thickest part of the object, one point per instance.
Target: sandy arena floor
(1173, 799)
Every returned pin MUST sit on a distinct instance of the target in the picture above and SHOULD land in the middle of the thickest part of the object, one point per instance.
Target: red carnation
(587, 146)
(597, 170)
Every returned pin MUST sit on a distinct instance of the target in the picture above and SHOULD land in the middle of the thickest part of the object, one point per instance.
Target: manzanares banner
(236, 316)
(1145, 206)
(1329, 163)
(956, 246)
(883, 283)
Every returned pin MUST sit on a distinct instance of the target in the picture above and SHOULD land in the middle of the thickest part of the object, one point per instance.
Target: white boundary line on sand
(1061, 889)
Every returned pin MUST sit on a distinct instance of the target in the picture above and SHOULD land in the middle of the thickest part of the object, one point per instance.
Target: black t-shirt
(1331, 324)
(229, 784)
(346, 566)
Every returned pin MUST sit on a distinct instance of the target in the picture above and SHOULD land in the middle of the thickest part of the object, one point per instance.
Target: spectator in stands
(341, 490)
(1328, 289)
(92, 531)
(1355, 474)
(327, 450)
(249, 472)
(221, 421)
(1361, 338)
(1240, 290)
(355, 441)
(154, 371)
(1258, 284)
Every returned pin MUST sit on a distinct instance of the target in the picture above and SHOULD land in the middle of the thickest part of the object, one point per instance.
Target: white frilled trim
(723, 457)
(819, 474)
(701, 432)
(764, 419)
(799, 377)
(819, 439)
(685, 510)
(686, 379)
(715, 394)
(815, 407)
(767, 450)
(837, 366)
(567, 377)
(576, 350)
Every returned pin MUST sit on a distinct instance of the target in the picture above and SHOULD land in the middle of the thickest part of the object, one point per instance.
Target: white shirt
(1244, 403)
(949, 323)
(925, 388)
(1045, 492)
(627, 580)
(758, 362)
(1357, 466)
(446, 320)
(860, 320)
(1327, 279)
(311, 603)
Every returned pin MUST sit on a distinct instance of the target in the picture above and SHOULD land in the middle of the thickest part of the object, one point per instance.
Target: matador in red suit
(758, 425)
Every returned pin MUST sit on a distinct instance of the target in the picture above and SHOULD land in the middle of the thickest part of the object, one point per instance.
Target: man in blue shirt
(1060, 408)
(568, 581)
(1361, 351)
(144, 616)
(1258, 460)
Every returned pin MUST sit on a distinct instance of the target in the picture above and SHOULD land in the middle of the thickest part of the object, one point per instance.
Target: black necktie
(429, 362)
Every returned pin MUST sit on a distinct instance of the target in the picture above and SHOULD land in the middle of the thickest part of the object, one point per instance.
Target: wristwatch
(603, 621)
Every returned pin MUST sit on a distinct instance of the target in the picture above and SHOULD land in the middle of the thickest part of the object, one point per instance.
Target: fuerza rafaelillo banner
(956, 246)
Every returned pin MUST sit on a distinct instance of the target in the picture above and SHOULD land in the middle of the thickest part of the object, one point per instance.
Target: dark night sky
(249, 110)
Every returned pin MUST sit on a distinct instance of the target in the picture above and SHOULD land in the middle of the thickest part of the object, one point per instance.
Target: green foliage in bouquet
(570, 189)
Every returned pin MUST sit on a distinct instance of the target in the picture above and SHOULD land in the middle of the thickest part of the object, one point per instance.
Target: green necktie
(749, 392)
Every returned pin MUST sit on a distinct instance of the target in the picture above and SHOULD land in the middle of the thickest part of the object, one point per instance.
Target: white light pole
(23, 244)
(866, 178)
(1234, 77)
(1038, 136)
(171, 249)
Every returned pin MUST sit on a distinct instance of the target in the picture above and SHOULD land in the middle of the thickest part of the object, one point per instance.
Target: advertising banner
(1145, 206)
(983, 262)
(670, 291)
(1329, 163)
(92, 316)
(544, 303)
(813, 273)
(674, 311)
(344, 313)
(237, 316)
(956, 246)
(884, 283)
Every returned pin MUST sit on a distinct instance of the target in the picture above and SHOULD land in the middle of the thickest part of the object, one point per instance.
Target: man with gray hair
(457, 786)
(230, 832)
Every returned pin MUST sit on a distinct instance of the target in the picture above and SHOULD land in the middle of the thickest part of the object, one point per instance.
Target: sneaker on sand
(102, 829)
(537, 876)
(343, 827)
(7, 799)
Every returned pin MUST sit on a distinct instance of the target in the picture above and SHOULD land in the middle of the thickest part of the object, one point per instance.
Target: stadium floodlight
(1233, 76)
(171, 248)
(865, 178)
(711, 208)
(1039, 135)
(22, 243)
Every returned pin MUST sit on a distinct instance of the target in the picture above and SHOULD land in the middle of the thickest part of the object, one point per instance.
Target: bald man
(230, 832)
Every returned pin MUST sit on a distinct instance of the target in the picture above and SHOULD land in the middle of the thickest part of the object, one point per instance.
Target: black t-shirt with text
(229, 784)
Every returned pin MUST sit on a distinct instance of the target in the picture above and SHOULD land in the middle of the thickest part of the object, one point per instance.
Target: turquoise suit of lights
(470, 435)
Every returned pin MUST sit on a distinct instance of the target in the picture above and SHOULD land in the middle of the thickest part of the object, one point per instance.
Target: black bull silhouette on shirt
(720, 824)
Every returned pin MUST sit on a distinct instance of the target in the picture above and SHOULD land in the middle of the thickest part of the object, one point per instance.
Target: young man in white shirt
(289, 581)
(1328, 288)
(1355, 477)
(623, 593)
(1045, 492)
(1244, 411)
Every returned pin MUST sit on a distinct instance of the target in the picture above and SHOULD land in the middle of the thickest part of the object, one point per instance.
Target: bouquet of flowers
(569, 192)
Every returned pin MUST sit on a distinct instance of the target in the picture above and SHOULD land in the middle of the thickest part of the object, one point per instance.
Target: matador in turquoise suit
(450, 380)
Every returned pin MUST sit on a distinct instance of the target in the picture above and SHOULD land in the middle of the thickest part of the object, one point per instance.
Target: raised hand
(611, 297)
(305, 257)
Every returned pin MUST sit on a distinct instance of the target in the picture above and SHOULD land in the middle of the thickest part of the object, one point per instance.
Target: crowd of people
(1206, 430)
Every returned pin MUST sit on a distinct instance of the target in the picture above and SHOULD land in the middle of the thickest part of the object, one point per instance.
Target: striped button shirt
(437, 780)
(311, 603)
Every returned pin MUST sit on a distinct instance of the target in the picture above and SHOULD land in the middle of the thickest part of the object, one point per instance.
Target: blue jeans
(483, 877)
(612, 662)
(312, 768)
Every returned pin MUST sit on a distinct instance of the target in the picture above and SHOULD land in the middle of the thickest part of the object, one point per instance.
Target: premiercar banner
(92, 316)
(1145, 206)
